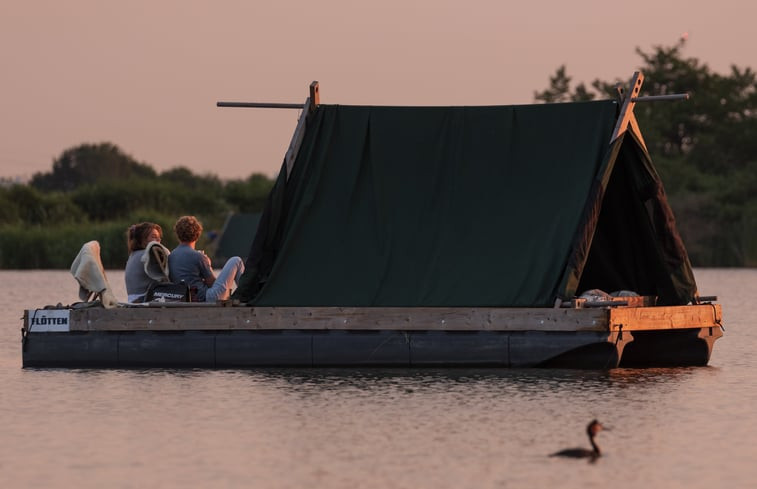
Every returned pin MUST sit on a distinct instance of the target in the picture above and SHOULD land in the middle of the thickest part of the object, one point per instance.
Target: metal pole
(655, 98)
(262, 105)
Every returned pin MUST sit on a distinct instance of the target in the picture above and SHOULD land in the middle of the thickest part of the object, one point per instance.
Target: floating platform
(213, 336)
(477, 220)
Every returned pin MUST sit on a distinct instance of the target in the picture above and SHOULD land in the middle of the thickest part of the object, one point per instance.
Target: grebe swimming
(592, 429)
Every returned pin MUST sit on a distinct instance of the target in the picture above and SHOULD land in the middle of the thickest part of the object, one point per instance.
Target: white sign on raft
(48, 320)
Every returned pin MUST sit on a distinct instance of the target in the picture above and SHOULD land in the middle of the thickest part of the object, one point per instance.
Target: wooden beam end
(315, 97)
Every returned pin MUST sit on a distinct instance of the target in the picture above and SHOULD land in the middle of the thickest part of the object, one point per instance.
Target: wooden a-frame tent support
(626, 118)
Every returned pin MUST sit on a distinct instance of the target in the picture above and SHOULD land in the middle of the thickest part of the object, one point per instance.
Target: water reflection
(635, 376)
(476, 382)
(327, 379)
(549, 378)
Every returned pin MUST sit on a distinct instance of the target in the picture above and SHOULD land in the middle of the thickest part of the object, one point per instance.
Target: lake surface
(387, 428)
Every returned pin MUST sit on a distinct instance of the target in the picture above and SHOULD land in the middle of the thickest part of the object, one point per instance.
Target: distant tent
(512, 206)
(235, 238)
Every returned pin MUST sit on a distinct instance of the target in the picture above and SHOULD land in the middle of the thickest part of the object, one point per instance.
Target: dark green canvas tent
(498, 206)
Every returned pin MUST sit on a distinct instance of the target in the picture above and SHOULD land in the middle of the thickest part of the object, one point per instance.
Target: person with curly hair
(187, 264)
(138, 236)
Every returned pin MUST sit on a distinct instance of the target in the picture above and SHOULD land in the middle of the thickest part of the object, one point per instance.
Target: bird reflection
(591, 430)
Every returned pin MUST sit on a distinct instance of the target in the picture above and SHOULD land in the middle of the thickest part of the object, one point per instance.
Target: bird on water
(591, 430)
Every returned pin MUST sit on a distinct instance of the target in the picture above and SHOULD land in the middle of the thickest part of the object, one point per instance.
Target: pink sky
(145, 75)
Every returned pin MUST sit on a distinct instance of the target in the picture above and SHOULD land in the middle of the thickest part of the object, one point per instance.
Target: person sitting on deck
(193, 266)
(138, 238)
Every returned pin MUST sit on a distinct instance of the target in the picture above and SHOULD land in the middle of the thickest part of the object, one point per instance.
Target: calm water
(687, 428)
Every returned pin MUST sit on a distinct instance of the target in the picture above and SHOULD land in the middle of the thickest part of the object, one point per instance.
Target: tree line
(705, 148)
(95, 191)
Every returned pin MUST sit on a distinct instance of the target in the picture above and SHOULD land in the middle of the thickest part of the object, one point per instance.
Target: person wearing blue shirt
(187, 264)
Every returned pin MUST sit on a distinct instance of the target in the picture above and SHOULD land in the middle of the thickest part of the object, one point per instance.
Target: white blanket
(88, 270)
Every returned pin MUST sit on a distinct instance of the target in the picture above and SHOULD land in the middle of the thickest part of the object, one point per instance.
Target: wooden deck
(208, 317)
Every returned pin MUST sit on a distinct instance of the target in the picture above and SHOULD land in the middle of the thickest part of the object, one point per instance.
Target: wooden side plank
(340, 318)
(397, 318)
(662, 318)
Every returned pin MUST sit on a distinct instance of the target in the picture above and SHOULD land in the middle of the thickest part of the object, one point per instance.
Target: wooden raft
(190, 317)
